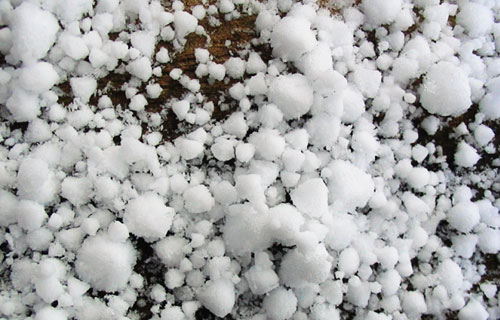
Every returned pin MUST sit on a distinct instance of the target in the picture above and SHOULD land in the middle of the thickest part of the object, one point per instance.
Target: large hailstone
(445, 90)
(104, 264)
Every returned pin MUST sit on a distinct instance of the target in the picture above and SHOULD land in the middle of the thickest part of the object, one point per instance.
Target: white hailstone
(268, 143)
(349, 186)
(198, 199)
(489, 105)
(33, 32)
(147, 216)
(291, 38)
(348, 261)
(73, 46)
(235, 67)
(414, 304)
(77, 190)
(184, 23)
(30, 215)
(466, 156)
(140, 68)
(225, 193)
(218, 296)
(280, 304)
(50, 313)
(311, 197)
(483, 135)
(390, 281)
(104, 264)
(83, 87)
(445, 90)
(38, 77)
(476, 18)
(236, 125)
(380, 12)
(144, 41)
(246, 230)
(223, 149)
(244, 152)
(368, 81)
(473, 310)
(138, 102)
(489, 240)
(292, 94)
(298, 269)
(35, 181)
(450, 275)
(171, 250)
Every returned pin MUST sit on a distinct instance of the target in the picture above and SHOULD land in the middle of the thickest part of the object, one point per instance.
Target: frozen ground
(249, 160)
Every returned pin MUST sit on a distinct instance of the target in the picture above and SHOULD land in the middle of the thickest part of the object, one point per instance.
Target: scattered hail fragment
(355, 175)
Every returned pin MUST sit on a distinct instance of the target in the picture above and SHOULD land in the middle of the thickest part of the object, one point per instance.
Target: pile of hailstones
(322, 196)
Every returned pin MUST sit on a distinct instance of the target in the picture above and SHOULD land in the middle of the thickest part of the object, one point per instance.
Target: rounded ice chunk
(292, 94)
(104, 264)
(445, 90)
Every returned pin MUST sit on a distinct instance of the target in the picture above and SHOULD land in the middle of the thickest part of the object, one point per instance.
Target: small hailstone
(184, 23)
(201, 55)
(349, 186)
(97, 261)
(255, 64)
(216, 71)
(30, 215)
(311, 197)
(235, 67)
(181, 109)
(199, 12)
(413, 304)
(118, 231)
(38, 77)
(292, 94)
(140, 68)
(174, 278)
(450, 275)
(349, 261)
(466, 156)
(445, 90)
(280, 304)
(483, 134)
(218, 296)
(198, 199)
(476, 18)
(138, 102)
(223, 149)
(83, 87)
(269, 145)
(380, 12)
(473, 310)
(244, 152)
(162, 56)
(291, 38)
(464, 216)
(147, 216)
(154, 90)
